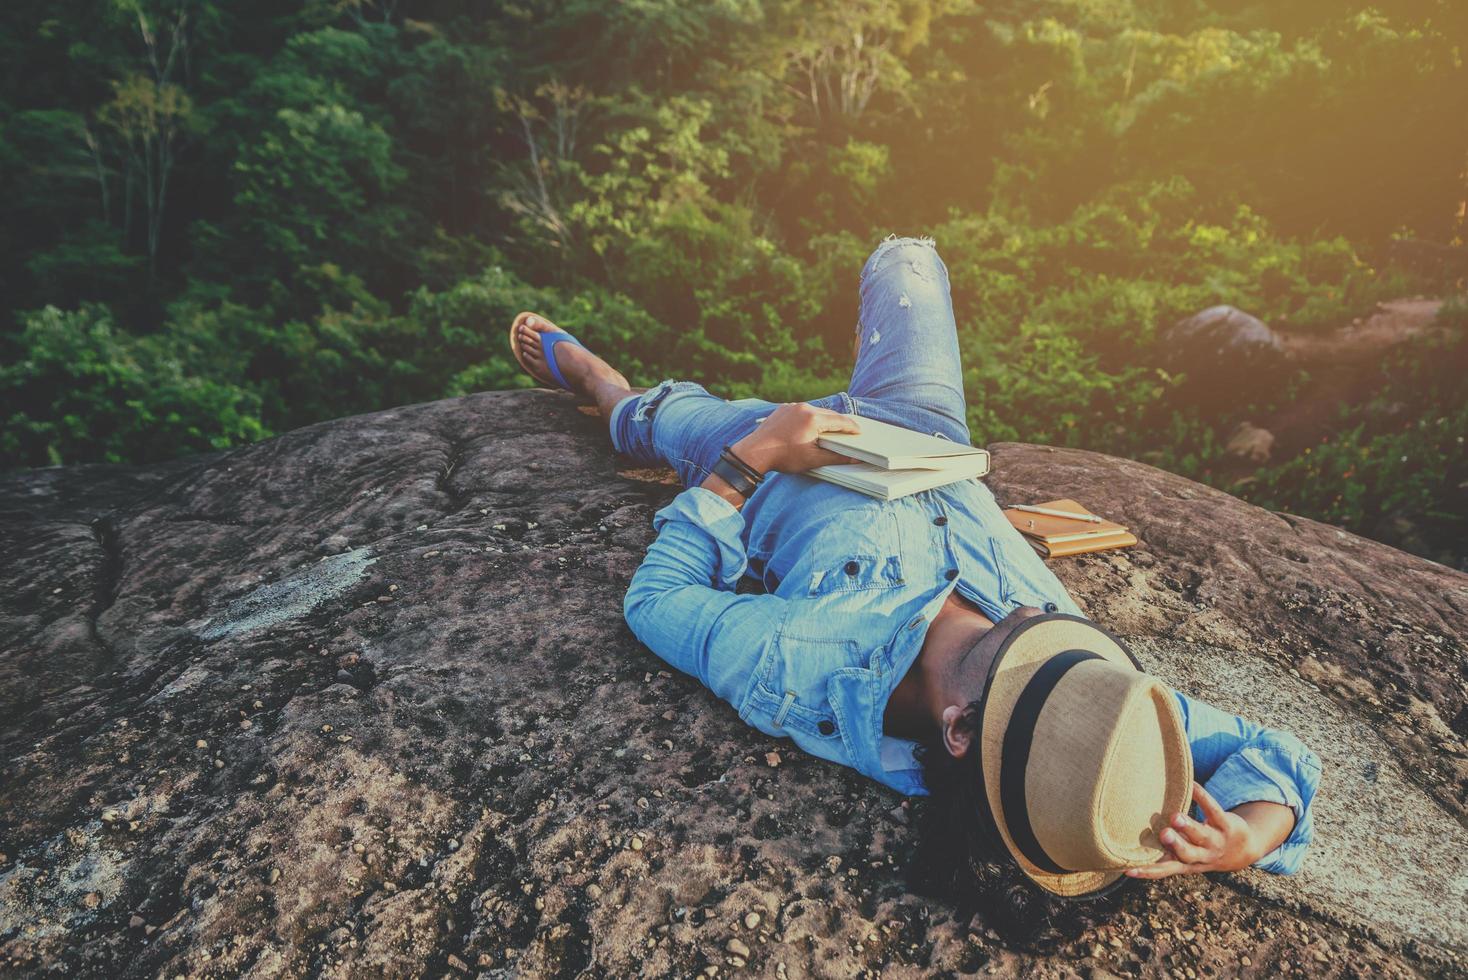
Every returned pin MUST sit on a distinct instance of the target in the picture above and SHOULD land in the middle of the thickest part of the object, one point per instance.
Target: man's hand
(786, 439)
(1226, 841)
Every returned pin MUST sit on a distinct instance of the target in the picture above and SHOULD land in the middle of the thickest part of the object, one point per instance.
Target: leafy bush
(78, 389)
(1401, 454)
(327, 208)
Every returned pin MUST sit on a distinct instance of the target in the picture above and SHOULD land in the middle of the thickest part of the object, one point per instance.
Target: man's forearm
(1270, 825)
(718, 485)
(749, 450)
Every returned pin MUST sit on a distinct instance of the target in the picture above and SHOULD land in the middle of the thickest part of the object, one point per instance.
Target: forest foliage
(224, 221)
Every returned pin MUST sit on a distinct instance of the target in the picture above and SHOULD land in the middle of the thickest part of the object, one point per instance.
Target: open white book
(898, 461)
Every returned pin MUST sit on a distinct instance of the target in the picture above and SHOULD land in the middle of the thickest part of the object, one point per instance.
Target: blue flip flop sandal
(548, 341)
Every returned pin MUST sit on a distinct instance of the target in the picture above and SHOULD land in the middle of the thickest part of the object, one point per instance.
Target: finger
(1197, 833)
(829, 421)
(1183, 849)
(1209, 805)
(1161, 869)
(825, 457)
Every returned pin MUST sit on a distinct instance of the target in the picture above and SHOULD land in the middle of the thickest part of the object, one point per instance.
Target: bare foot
(585, 372)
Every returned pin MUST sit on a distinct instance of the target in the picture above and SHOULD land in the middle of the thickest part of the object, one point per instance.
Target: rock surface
(360, 700)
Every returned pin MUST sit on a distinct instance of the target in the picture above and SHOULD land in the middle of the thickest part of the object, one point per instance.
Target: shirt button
(852, 568)
(940, 520)
(1051, 607)
(826, 727)
(951, 574)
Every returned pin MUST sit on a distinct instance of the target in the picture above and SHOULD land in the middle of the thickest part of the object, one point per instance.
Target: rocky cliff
(359, 700)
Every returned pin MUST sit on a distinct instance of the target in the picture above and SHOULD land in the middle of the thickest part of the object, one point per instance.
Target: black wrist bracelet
(743, 467)
(735, 477)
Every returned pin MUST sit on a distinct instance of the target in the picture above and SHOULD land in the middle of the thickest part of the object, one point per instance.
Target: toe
(532, 349)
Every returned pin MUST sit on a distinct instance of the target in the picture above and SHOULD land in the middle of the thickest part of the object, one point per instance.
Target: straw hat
(1084, 757)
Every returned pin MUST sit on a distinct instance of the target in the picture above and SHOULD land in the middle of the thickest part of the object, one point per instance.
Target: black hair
(958, 860)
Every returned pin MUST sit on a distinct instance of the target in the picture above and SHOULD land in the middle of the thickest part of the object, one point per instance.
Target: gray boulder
(360, 701)
(1225, 353)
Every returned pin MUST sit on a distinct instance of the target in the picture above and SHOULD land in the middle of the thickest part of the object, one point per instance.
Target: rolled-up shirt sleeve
(681, 602)
(1239, 761)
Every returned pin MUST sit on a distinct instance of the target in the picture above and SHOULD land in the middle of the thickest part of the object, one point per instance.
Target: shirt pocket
(855, 573)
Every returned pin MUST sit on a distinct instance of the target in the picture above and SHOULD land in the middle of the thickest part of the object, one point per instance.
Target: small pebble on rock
(737, 948)
(751, 920)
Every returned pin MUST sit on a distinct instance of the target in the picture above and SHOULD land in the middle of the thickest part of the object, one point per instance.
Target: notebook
(1056, 537)
(894, 462)
(891, 447)
(884, 484)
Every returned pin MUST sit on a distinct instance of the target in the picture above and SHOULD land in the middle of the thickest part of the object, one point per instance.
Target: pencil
(1088, 518)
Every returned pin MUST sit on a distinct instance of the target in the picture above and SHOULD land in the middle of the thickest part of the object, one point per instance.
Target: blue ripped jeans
(907, 373)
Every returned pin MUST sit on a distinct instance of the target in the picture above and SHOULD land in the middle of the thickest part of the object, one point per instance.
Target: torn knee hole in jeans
(915, 239)
(921, 269)
(650, 399)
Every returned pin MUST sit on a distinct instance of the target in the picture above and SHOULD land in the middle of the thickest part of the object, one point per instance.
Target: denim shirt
(849, 586)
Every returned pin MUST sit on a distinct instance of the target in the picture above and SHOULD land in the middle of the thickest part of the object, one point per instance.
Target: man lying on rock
(921, 641)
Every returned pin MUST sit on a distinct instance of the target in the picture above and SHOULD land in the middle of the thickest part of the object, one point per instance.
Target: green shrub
(80, 390)
(1400, 453)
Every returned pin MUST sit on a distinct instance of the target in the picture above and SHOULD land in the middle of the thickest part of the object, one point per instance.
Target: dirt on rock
(1343, 367)
(360, 701)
